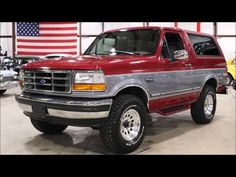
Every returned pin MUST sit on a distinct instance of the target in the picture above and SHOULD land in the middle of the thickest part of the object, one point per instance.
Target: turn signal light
(89, 87)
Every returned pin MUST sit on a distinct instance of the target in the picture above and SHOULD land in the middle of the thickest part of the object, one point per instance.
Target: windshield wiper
(124, 52)
(142, 53)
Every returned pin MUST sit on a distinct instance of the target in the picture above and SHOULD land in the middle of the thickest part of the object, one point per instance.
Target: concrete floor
(175, 134)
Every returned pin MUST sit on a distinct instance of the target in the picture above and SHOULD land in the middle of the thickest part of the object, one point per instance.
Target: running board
(174, 109)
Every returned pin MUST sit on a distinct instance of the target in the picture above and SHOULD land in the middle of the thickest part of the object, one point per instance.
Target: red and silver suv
(124, 75)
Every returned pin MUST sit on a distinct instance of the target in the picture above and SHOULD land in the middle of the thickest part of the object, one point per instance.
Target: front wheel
(47, 128)
(203, 110)
(124, 130)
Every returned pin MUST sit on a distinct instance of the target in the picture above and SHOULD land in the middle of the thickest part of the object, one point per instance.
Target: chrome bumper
(65, 108)
(8, 85)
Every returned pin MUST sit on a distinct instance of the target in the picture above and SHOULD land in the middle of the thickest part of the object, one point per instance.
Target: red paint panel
(163, 103)
(198, 26)
(176, 24)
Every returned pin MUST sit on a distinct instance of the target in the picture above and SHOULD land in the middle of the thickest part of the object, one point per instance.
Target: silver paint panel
(164, 82)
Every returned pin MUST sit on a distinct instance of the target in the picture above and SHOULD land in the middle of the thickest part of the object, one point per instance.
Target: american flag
(43, 38)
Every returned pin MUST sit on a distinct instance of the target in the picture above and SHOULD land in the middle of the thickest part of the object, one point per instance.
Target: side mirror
(180, 54)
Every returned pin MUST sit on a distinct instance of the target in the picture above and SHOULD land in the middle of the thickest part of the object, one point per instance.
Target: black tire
(197, 109)
(110, 131)
(47, 128)
(229, 80)
(2, 91)
(95, 127)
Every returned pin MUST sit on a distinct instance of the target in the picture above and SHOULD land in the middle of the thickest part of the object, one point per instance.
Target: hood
(106, 63)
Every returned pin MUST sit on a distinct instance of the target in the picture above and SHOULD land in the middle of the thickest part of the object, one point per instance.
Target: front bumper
(64, 110)
(8, 85)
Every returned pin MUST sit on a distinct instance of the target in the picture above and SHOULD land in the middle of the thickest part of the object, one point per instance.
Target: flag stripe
(57, 28)
(69, 34)
(57, 22)
(47, 44)
(48, 38)
(46, 41)
(74, 32)
(44, 53)
(47, 50)
(46, 47)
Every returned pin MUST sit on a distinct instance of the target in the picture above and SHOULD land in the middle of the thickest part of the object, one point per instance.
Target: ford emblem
(42, 81)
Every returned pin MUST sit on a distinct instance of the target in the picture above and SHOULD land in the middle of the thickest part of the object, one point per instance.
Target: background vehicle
(7, 63)
(124, 75)
(24, 60)
(231, 65)
(8, 79)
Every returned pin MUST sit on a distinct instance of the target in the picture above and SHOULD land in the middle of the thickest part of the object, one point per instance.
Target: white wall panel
(6, 44)
(207, 27)
(114, 25)
(5, 28)
(225, 28)
(162, 24)
(188, 25)
(91, 28)
(228, 46)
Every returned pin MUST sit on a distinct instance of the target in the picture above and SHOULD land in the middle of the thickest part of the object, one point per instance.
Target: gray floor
(175, 134)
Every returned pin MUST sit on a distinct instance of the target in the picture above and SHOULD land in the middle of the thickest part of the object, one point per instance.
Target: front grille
(49, 81)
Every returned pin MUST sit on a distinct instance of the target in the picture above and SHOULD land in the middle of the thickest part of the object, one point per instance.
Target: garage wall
(6, 42)
(90, 30)
(228, 44)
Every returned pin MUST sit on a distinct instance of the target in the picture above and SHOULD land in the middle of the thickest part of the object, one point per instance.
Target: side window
(203, 45)
(171, 43)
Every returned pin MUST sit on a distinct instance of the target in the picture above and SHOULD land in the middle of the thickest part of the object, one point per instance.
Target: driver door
(174, 77)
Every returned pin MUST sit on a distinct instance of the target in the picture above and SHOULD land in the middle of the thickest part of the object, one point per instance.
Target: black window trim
(164, 40)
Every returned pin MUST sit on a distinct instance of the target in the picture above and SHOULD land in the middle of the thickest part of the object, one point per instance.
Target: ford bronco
(122, 76)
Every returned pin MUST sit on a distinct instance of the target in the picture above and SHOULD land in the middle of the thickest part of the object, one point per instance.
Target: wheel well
(136, 91)
(212, 82)
(230, 75)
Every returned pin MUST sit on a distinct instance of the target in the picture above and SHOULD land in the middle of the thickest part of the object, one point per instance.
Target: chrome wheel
(130, 124)
(208, 105)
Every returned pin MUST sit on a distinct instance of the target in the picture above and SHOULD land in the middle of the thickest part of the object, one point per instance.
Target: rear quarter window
(204, 45)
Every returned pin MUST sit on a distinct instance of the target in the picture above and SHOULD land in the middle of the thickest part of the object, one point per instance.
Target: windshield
(131, 42)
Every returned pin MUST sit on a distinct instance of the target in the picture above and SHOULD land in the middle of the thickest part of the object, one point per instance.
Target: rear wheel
(2, 91)
(47, 128)
(124, 130)
(203, 110)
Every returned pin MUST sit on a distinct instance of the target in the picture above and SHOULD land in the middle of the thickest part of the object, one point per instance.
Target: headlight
(89, 81)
